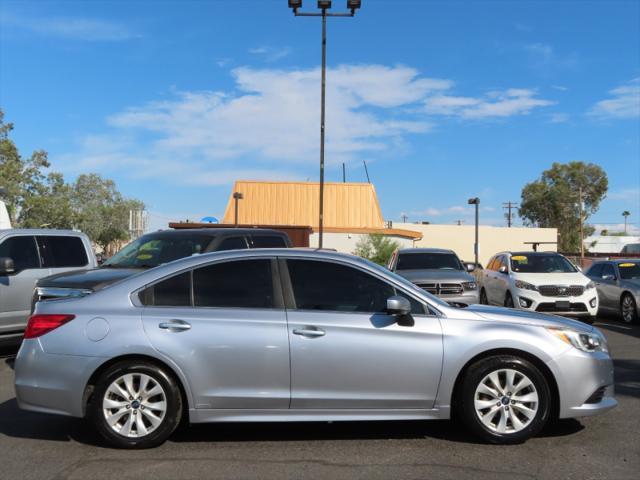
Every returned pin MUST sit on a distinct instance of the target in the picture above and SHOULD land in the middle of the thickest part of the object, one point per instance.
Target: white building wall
(346, 242)
(607, 243)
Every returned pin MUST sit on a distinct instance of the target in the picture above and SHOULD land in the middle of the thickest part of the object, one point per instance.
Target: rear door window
(233, 243)
(596, 271)
(59, 251)
(22, 250)
(236, 284)
(171, 292)
(268, 241)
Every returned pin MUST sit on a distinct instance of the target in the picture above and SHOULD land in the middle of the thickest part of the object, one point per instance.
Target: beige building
(352, 211)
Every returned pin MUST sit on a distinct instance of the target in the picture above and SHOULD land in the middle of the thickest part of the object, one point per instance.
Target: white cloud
(559, 118)
(78, 28)
(625, 102)
(625, 195)
(270, 54)
(505, 103)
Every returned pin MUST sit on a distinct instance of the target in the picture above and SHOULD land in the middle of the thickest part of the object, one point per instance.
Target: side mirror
(609, 278)
(503, 269)
(398, 305)
(6, 266)
(470, 267)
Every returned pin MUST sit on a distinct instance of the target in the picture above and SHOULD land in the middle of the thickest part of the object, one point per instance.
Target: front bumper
(50, 383)
(469, 297)
(585, 305)
(585, 383)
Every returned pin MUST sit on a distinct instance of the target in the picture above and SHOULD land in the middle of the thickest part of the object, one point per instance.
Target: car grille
(551, 307)
(442, 288)
(561, 290)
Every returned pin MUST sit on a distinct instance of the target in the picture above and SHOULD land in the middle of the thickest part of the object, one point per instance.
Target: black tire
(483, 297)
(172, 414)
(628, 302)
(508, 301)
(478, 372)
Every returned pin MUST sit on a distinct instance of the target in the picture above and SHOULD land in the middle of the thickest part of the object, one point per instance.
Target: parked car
(301, 335)
(155, 249)
(28, 255)
(631, 249)
(439, 272)
(538, 281)
(618, 285)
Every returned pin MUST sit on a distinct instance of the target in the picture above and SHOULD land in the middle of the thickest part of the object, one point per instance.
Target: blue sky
(444, 99)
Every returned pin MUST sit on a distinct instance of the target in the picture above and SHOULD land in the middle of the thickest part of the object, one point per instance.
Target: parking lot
(49, 447)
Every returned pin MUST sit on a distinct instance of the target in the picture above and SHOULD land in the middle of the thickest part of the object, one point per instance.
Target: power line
(508, 206)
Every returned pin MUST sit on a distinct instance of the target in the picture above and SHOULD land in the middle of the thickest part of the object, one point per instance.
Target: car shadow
(29, 425)
(615, 324)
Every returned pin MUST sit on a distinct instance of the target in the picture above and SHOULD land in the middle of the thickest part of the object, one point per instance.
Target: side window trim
(290, 302)
(278, 292)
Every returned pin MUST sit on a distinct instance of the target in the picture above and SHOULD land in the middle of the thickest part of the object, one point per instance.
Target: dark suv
(152, 250)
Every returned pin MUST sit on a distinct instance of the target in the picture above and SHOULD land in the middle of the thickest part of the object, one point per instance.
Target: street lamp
(323, 5)
(475, 201)
(237, 196)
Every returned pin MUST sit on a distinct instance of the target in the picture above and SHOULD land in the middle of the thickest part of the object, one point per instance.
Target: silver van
(28, 255)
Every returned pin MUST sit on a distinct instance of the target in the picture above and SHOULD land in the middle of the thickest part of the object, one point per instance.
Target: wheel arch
(90, 385)
(537, 362)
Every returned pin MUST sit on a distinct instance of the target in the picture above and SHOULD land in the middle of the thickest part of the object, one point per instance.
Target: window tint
(154, 249)
(239, 284)
(596, 270)
(329, 286)
(232, 243)
(268, 241)
(22, 250)
(607, 269)
(62, 251)
(172, 292)
(428, 261)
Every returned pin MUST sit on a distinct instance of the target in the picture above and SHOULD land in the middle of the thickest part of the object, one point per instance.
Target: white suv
(542, 282)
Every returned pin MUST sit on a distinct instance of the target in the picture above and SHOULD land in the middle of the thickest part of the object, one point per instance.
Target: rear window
(268, 241)
(59, 252)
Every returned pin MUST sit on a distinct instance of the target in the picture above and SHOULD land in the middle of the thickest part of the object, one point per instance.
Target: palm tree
(625, 214)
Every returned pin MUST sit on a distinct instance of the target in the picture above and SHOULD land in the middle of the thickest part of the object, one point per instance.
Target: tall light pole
(476, 201)
(323, 5)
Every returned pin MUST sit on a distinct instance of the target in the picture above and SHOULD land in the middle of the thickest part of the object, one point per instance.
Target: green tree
(376, 247)
(554, 200)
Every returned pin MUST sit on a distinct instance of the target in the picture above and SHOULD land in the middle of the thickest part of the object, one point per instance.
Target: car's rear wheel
(483, 297)
(505, 399)
(628, 308)
(135, 405)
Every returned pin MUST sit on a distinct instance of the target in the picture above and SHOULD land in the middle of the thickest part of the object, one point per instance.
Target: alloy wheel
(134, 405)
(628, 309)
(506, 401)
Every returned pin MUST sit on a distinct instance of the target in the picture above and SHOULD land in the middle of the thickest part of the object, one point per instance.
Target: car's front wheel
(628, 308)
(135, 405)
(483, 297)
(505, 399)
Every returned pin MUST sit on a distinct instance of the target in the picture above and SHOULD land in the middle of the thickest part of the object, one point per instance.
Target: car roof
(529, 253)
(213, 232)
(41, 231)
(425, 250)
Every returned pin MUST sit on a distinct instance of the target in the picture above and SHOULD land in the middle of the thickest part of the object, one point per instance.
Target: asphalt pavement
(37, 446)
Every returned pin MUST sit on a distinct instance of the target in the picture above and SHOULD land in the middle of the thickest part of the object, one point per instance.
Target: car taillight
(38, 325)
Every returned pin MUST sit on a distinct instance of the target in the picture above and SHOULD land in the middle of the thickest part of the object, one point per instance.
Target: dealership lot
(48, 447)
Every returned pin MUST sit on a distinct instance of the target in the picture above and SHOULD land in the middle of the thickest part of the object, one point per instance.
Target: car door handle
(175, 326)
(309, 332)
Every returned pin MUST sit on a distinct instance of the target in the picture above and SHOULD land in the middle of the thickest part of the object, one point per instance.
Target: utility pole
(237, 196)
(404, 218)
(366, 170)
(344, 174)
(508, 206)
(476, 246)
(459, 222)
(581, 226)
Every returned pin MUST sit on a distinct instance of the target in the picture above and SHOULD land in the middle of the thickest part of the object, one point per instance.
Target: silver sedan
(618, 285)
(300, 335)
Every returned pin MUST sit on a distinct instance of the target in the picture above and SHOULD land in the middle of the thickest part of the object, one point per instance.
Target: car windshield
(428, 261)
(152, 250)
(541, 263)
(409, 285)
(629, 270)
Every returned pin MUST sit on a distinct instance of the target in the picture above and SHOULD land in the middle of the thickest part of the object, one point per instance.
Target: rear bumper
(585, 383)
(52, 383)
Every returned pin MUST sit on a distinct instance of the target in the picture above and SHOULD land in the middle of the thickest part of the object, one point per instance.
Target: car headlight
(526, 285)
(469, 285)
(587, 342)
(590, 285)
